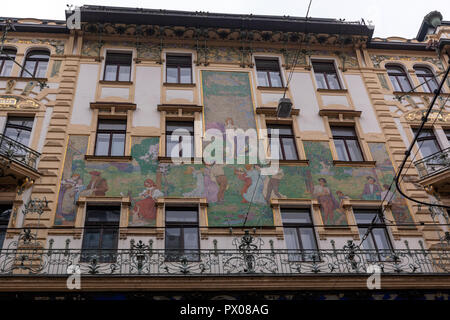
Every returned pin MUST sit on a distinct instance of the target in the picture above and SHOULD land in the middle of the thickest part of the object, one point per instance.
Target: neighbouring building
(95, 122)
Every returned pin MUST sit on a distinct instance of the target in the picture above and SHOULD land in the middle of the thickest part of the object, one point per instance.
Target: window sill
(179, 85)
(293, 163)
(272, 111)
(108, 158)
(125, 83)
(24, 79)
(192, 160)
(340, 163)
(332, 90)
(264, 88)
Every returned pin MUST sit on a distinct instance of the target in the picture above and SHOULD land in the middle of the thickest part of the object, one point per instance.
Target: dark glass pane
(173, 238)
(428, 147)
(102, 144)
(333, 81)
(381, 238)
(343, 131)
(295, 216)
(365, 217)
(91, 239)
(118, 144)
(395, 84)
(19, 135)
(109, 238)
(118, 58)
(118, 125)
(23, 122)
(267, 65)
(308, 239)
(41, 55)
(404, 83)
(393, 70)
(191, 238)
(291, 238)
(290, 151)
(179, 60)
(103, 214)
(176, 215)
(324, 67)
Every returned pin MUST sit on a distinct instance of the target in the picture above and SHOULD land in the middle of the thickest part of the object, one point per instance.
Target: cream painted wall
(147, 96)
(358, 92)
(43, 133)
(85, 94)
(304, 98)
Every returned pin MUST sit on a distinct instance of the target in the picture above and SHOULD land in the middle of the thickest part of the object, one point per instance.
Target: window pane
(275, 153)
(173, 215)
(102, 214)
(173, 238)
(323, 67)
(432, 84)
(290, 152)
(365, 217)
(172, 126)
(291, 216)
(275, 79)
(91, 238)
(29, 66)
(368, 243)
(395, 83)
(381, 238)
(102, 144)
(405, 83)
(290, 234)
(282, 130)
(263, 79)
(185, 75)
(41, 69)
(112, 125)
(19, 135)
(124, 73)
(187, 146)
(355, 152)
(172, 148)
(7, 67)
(343, 131)
(109, 238)
(110, 73)
(172, 75)
(308, 239)
(320, 79)
(428, 147)
(191, 238)
(333, 81)
(118, 145)
(341, 151)
(23, 122)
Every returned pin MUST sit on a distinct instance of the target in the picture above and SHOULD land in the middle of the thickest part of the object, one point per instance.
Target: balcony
(142, 260)
(17, 160)
(434, 170)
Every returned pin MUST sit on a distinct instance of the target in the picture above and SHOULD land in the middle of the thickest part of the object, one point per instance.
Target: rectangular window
(5, 214)
(447, 134)
(7, 62)
(19, 130)
(346, 143)
(101, 231)
(299, 234)
(117, 66)
(110, 137)
(179, 68)
(377, 243)
(181, 239)
(268, 72)
(179, 143)
(287, 147)
(427, 142)
(326, 76)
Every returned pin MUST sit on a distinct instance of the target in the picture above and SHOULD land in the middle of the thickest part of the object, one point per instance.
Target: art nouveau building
(90, 148)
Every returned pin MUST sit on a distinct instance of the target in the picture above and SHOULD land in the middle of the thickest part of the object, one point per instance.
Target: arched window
(399, 79)
(36, 64)
(426, 78)
(6, 62)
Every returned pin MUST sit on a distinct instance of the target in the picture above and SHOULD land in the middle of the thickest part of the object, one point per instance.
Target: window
(427, 142)
(268, 72)
(19, 129)
(182, 238)
(178, 68)
(180, 143)
(117, 67)
(6, 63)
(299, 234)
(378, 239)
(326, 76)
(5, 213)
(110, 138)
(346, 143)
(36, 64)
(288, 149)
(398, 78)
(426, 79)
(100, 233)
(447, 134)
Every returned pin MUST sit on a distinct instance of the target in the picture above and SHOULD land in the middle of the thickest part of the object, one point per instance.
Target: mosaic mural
(228, 188)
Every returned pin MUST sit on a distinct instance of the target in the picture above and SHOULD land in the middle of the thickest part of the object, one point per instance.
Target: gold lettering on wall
(434, 115)
(17, 102)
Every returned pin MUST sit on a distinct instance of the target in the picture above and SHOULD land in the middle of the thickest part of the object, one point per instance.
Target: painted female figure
(326, 199)
(145, 208)
(199, 190)
(255, 191)
(210, 184)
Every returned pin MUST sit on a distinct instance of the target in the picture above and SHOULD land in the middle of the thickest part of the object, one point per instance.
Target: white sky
(391, 17)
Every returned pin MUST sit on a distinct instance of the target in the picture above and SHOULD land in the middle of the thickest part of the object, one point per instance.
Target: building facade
(112, 169)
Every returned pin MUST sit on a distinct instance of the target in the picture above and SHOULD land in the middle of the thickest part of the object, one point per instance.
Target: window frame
(268, 70)
(38, 61)
(424, 77)
(297, 226)
(433, 137)
(118, 65)
(101, 226)
(4, 223)
(111, 133)
(19, 127)
(280, 139)
(344, 139)
(178, 66)
(181, 225)
(326, 73)
(370, 227)
(396, 76)
(169, 134)
(4, 58)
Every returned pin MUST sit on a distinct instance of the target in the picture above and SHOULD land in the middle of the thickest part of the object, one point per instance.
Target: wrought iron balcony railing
(433, 164)
(141, 259)
(19, 153)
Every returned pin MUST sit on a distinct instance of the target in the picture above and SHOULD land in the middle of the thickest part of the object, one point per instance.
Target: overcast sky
(390, 17)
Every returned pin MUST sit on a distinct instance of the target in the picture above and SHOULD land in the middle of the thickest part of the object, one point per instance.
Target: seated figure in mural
(69, 193)
(97, 186)
(327, 201)
(145, 208)
(271, 185)
(242, 175)
(372, 190)
(199, 190)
